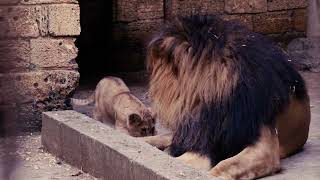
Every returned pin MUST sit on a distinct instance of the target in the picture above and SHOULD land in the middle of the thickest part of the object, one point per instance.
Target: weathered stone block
(151, 9)
(128, 11)
(245, 6)
(55, 53)
(125, 10)
(304, 54)
(9, 1)
(246, 20)
(46, 89)
(42, 19)
(130, 40)
(70, 140)
(272, 22)
(18, 21)
(108, 154)
(274, 5)
(93, 159)
(47, 1)
(300, 20)
(142, 30)
(64, 20)
(188, 7)
(14, 55)
(51, 136)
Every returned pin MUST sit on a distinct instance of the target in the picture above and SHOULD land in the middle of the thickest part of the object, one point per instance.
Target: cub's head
(141, 125)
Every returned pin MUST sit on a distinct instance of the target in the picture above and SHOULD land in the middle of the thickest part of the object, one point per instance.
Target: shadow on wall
(8, 131)
(102, 49)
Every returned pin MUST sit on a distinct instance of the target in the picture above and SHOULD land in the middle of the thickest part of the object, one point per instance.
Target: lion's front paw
(216, 172)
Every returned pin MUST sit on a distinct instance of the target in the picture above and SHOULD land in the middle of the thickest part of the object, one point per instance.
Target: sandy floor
(34, 163)
(28, 161)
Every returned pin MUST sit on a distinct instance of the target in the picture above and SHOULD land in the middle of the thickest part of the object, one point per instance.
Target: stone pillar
(37, 57)
(314, 18)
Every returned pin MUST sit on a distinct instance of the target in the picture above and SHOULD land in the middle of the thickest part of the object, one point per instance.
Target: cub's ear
(134, 119)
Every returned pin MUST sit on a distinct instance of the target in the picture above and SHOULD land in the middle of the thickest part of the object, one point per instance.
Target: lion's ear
(134, 119)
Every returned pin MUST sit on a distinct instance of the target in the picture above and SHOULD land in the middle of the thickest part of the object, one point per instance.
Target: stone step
(106, 153)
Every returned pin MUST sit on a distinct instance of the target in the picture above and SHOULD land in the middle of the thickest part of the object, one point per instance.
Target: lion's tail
(83, 102)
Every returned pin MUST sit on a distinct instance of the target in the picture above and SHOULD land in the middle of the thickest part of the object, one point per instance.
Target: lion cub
(115, 105)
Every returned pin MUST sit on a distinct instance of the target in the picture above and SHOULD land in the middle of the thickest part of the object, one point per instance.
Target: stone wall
(37, 52)
(135, 20)
(265, 16)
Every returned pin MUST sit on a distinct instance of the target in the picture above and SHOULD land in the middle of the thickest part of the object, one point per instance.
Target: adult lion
(232, 100)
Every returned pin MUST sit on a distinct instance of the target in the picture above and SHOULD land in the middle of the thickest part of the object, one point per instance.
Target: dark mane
(248, 81)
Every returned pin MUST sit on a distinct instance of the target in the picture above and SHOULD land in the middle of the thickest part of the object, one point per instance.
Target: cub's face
(140, 126)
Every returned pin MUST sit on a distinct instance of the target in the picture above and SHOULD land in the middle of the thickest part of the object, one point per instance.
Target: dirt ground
(28, 161)
(35, 164)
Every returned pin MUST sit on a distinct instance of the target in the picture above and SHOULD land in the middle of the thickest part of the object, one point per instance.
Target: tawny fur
(115, 105)
(204, 72)
(184, 94)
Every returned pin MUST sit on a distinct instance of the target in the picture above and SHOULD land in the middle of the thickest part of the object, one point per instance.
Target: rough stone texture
(152, 9)
(130, 41)
(274, 5)
(244, 19)
(245, 6)
(9, 1)
(29, 94)
(39, 87)
(42, 19)
(272, 22)
(64, 20)
(300, 20)
(142, 30)
(65, 132)
(14, 55)
(124, 11)
(188, 7)
(18, 21)
(54, 53)
(133, 10)
(47, 1)
(305, 54)
(313, 19)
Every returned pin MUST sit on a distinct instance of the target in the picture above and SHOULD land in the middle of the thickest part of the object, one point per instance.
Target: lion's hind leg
(254, 161)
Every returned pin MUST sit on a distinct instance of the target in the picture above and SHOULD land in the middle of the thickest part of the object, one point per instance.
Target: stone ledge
(107, 153)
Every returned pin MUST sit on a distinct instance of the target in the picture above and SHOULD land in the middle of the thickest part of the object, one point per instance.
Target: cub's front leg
(161, 141)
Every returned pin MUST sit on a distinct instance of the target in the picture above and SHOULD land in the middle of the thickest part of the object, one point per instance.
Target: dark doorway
(104, 45)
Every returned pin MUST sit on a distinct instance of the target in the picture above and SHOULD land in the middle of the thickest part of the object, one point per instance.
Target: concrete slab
(106, 153)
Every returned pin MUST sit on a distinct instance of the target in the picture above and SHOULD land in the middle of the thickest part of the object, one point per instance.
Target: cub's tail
(82, 102)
